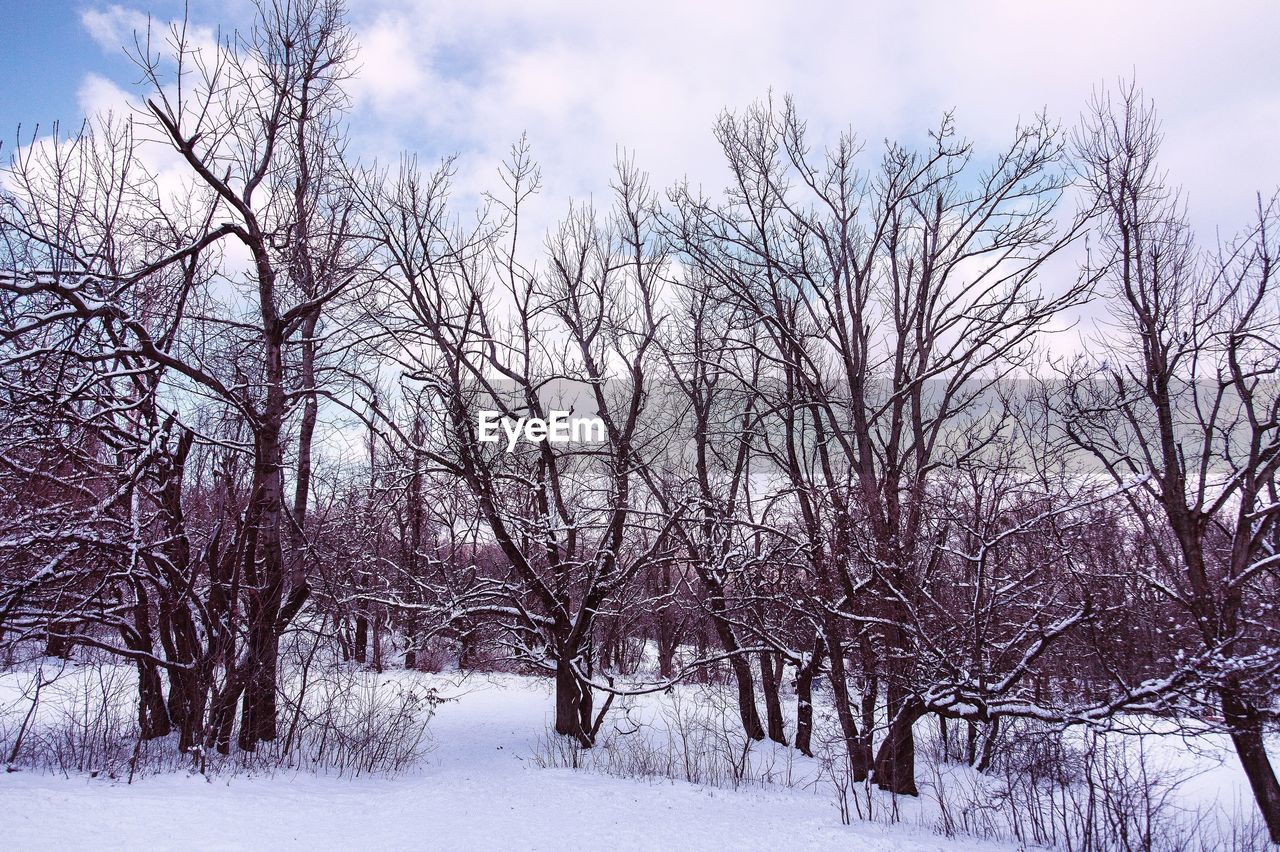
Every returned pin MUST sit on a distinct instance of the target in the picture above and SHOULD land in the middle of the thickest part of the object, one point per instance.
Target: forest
(909, 453)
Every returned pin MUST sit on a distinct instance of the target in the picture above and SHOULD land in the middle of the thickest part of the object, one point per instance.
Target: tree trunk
(870, 694)
(573, 704)
(258, 716)
(607, 656)
(1246, 736)
(804, 697)
(265, 567)
(769, 677)
(375, 636)
(56, 645)
(856, 746)
(740, 665)
(153, 715)
(343, 634)
(361, 644)
(988, 746)
(222, 713)
(895, 764)
(666, 654)
(188, 698)
(746, 697)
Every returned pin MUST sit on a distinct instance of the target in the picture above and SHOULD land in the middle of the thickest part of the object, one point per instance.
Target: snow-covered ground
(480, 788)
(485, 785)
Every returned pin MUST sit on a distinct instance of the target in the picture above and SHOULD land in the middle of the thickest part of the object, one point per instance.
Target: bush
(698, 741)
(83, 719)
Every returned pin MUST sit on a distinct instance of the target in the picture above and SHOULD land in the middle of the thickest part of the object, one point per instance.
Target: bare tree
(1183, 394)
(714, 374)
(893, 303)
(565, 518)
(256, 119)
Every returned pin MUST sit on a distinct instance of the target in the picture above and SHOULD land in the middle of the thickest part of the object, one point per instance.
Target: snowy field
(485, 785)
(478, 789)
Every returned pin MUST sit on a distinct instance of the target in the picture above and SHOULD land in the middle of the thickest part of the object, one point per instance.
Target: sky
(586, 79)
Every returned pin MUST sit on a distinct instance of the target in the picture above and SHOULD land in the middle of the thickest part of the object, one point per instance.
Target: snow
(478, 789)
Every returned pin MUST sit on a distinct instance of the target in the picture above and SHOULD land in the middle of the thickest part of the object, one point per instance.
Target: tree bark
(988, 752)
(153, 715)
(1246, 736)
(361, 644)
(769, 677)
(857, 747)
(738, 663)
(895, 763)
(573, 704)
(804, 696)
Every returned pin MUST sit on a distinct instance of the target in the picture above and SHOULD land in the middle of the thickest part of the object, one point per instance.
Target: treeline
(240, 398)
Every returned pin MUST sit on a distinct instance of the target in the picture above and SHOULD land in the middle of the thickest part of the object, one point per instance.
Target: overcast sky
(585, 78)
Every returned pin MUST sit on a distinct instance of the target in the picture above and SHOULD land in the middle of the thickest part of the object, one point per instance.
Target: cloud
(113, 26)
(584, 78)
(99, 96)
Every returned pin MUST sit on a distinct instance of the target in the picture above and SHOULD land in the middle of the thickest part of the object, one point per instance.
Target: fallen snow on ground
(478, 789)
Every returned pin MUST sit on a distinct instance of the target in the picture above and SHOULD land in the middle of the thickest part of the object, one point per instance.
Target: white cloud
(114, 26)
(583, 78)
(99, 96)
